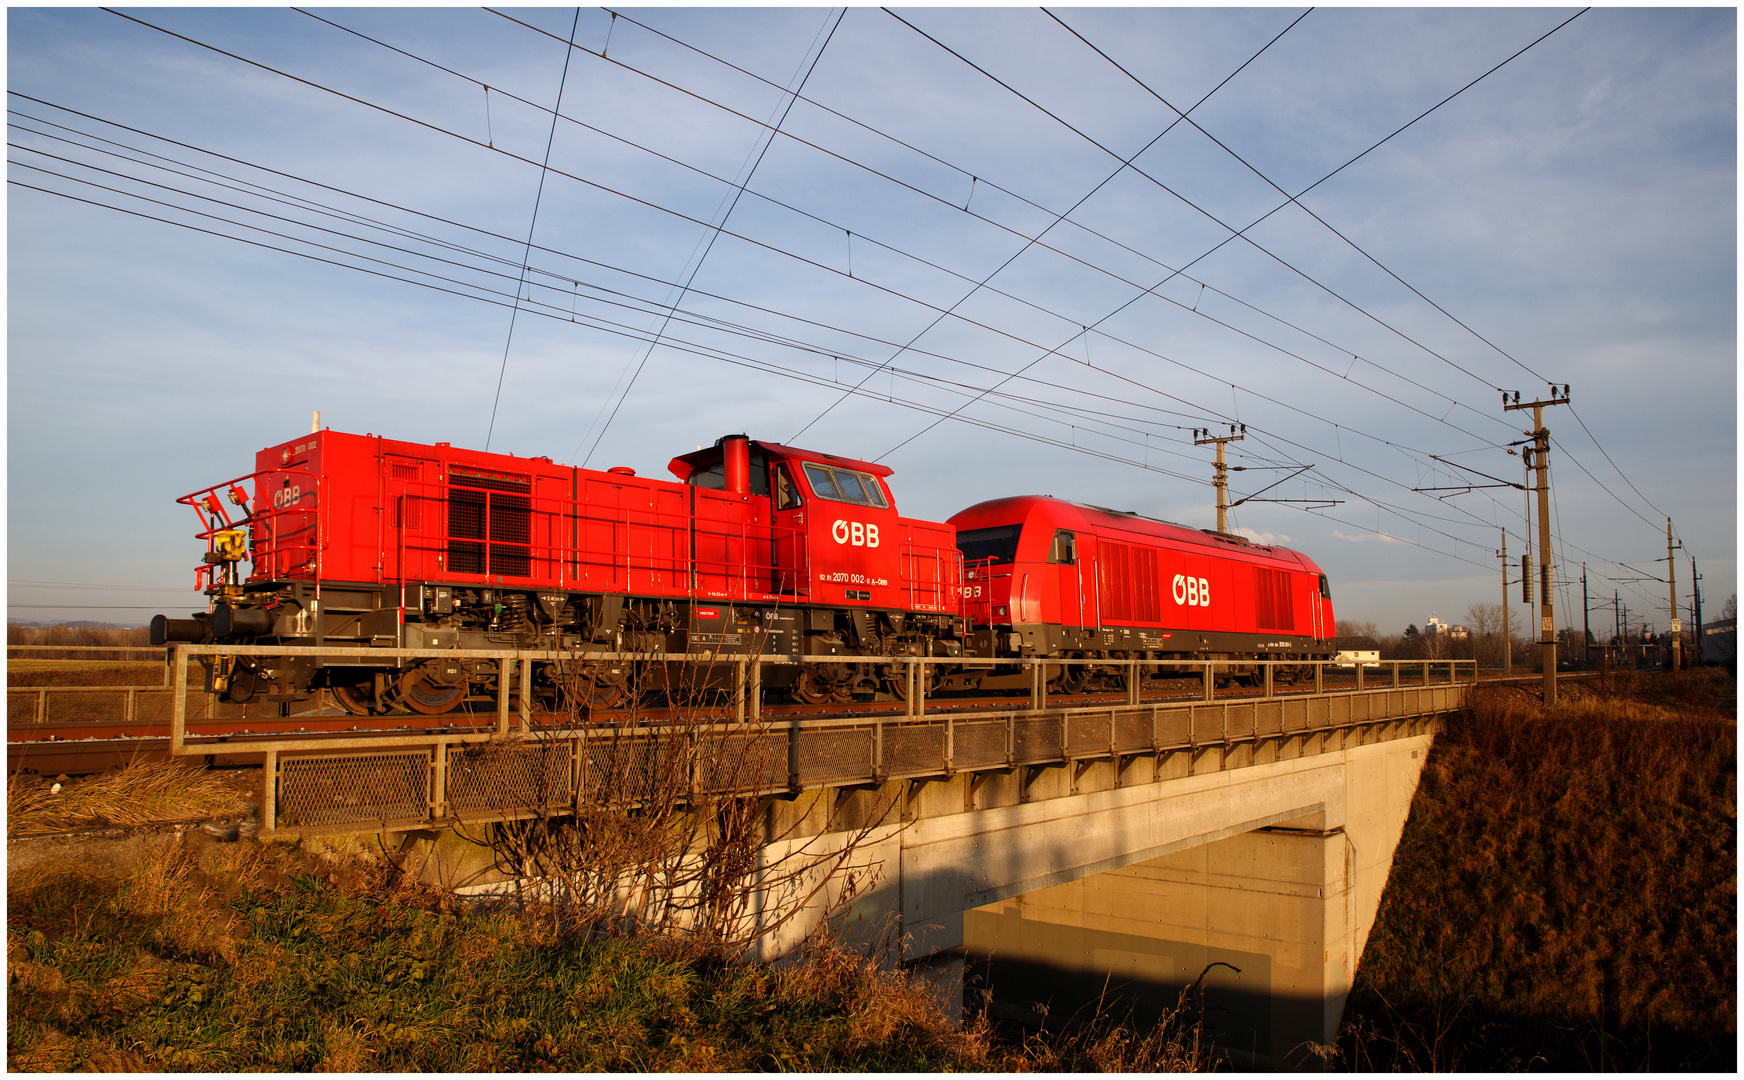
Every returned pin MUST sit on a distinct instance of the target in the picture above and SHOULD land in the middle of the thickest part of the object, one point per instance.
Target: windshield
(998, 543)
(844, 485)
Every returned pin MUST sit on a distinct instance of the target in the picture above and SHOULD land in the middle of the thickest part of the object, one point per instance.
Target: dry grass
(142, 793)
(1565, 893)
(30, 673)
(252, 957)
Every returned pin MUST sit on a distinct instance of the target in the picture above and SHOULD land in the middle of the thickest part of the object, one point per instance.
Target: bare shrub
(671, 831)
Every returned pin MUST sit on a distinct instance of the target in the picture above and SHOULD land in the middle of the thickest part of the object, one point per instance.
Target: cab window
(844, 485)
(1063, 550)
(786, 492)
(714, 477)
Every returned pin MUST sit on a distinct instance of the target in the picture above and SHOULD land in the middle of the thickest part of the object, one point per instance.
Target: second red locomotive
(757, 549)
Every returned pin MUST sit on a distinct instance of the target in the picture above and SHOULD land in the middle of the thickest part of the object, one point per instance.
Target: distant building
(1358, 649)
(1436, 626)
(1720, 642)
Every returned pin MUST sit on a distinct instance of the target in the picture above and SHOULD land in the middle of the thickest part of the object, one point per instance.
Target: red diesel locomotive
(758, 550)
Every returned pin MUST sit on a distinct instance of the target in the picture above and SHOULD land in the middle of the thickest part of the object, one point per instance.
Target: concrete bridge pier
(1272, 873)
(1269, 912)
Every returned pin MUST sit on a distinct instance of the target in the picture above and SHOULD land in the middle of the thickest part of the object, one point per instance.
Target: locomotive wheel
(354, 699)
(422, 693)
(811, 689)
(896, 679)
(1073, 679)
(602, 689)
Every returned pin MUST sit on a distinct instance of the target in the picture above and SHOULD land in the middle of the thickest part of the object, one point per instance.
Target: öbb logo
(1192, 591)
(286, 496)
(854, 533)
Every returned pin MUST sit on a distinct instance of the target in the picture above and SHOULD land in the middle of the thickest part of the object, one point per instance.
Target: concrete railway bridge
(1053, 847)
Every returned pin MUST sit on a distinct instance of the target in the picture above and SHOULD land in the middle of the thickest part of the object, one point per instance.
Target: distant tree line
(23, 635)
(1481, 639)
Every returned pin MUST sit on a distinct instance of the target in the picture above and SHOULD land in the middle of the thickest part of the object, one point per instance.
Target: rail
(421, 780)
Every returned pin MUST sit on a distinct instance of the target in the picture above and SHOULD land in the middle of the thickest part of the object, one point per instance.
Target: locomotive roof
(685, 464)
(1049, 508)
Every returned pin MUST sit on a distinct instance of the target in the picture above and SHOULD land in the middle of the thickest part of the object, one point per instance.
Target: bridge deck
(433, 782)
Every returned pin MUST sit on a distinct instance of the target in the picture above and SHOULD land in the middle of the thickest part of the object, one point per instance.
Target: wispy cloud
(1264, 537)
(1358, 538)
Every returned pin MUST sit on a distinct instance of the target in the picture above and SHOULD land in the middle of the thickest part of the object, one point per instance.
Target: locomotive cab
(835, 532)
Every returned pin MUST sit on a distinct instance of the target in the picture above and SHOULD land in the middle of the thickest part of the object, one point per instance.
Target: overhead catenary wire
(1295, 199)
(1193, 478)
(1172, 272)
(240, 58)
(1234, 232)
(1157, 355)
(527, 251)
(1057, 219)
(716, 233)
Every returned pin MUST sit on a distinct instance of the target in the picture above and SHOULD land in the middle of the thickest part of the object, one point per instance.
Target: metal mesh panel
(509, 778)
(1174, 727)
(1268, 718)
(617, 770)
(834, 755)
(343, 789)
(976, 744)
(743, 762)
(20, 706)
(1036, 739)
(155, 705)
(1132, 731)
(914, 748)
(1087, 733)
(1295, 715)
(66, 705)
(1207, 725)
(1241, 721)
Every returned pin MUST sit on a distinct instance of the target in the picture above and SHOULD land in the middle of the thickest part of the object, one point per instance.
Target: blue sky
(963, 242)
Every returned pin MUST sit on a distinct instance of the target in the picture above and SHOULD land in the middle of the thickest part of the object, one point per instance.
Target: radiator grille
(1272, 600)
(1130, 591)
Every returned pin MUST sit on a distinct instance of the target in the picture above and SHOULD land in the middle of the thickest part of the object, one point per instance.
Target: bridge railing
(747, 696)
(525, 763)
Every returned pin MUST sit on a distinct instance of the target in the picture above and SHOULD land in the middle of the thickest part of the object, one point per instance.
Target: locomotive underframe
(469, 616)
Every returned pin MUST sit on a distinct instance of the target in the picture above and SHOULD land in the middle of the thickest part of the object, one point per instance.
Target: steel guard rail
(825, 752)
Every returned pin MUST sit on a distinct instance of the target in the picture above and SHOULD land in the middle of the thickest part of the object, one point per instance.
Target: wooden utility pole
(1220, 471)
(1541, 462)
(1507, 633)
(1671, 577)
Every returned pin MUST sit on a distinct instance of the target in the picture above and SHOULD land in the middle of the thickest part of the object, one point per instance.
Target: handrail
(750, 670)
